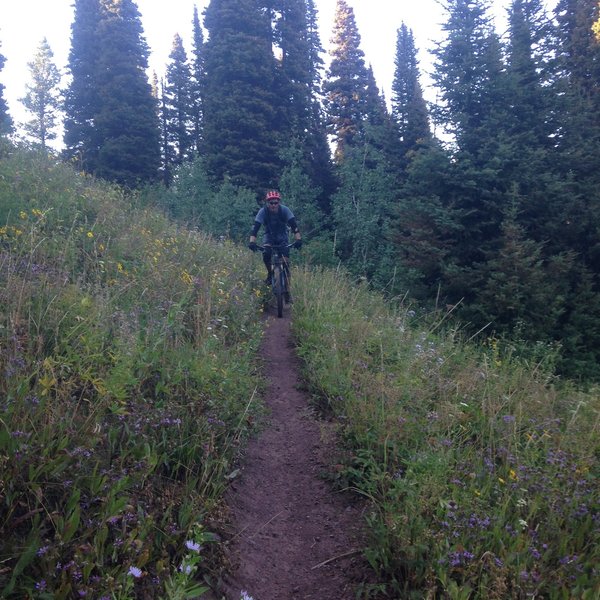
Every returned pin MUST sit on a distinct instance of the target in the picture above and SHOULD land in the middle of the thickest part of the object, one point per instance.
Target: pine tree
(469, 75)
(112, 125)
(297, 34)
(81, 97)
(531, 123)
(6, 124)
(347, 81)
(167, 152)
(178, 103)
(409, 110)
(197, 80)
(43, 96)
(295, 70)
(474, 108)
(578, 163)
(241, 107)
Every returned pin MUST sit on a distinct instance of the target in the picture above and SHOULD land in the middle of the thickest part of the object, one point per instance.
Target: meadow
(128, 354)
(130, 380)
(480, 469)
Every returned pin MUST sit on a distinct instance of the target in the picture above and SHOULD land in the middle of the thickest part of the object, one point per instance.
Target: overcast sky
(24, 23)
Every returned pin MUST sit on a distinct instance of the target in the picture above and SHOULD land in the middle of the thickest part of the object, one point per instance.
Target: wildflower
(245, 595)
(508, 418)
(187, 569)
(135, 572)
(23, 214)
(90, 234)
(40, 586)
(513, 474)
(191, 545)
(41, 551)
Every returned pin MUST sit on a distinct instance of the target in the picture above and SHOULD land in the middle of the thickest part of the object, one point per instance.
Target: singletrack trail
(294, 537)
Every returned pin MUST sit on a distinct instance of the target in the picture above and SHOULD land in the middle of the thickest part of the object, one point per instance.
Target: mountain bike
(280, 281)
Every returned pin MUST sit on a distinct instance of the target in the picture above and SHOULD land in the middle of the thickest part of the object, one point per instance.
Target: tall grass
(481, 470)
(127, 382)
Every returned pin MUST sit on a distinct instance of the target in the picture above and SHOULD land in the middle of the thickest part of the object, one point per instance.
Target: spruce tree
(6, 124)
(241, 106)
(409, 110)
(579, 160)
(531, 123)
(178, 103)
(347, 81)
(474, 108)
(82, 100)
(300, 69)
(197, 80)
(112, 123)
(42, 96)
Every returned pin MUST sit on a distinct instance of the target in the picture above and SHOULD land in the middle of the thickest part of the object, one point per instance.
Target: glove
(298, 244)
(253, 246)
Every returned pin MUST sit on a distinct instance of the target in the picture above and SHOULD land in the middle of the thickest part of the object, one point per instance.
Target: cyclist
(277, 220)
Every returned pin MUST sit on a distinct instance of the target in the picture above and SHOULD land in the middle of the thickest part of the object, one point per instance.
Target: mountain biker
(277, 220)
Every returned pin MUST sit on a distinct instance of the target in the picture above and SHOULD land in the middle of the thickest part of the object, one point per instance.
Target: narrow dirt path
(294, 537)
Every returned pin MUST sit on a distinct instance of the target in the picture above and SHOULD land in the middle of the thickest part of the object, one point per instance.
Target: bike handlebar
(275, 247)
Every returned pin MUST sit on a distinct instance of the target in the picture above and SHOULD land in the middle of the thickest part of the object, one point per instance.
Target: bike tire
(279, 288)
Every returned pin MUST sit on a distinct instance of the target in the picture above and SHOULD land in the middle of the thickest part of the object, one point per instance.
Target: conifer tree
(531, 123)
(197, 80)
(42, 96)
(81, 97)
(579, 159)
(6, 124)
(112, 122)
(347, 81)
(241, 107)
(178, 103)
(300, 68)
(470, 76)
(474, 108)
(409, 110)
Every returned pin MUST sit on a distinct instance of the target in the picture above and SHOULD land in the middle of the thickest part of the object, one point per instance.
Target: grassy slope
(127, 355)
(482, 472)
(127, 361)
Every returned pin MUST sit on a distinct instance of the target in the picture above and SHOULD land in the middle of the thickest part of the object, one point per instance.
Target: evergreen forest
(485, 202)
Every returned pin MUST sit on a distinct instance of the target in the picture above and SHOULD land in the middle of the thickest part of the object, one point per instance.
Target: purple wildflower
(191, 545)
(135, 572)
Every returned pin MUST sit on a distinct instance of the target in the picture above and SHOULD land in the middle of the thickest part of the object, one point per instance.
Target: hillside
(131, 381)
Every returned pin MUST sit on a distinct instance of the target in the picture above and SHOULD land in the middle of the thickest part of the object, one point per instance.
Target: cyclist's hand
(253, 246)
(298, 244)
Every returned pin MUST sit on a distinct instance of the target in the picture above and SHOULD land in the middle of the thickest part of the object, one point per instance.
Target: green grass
(128, 383)
(480, 470)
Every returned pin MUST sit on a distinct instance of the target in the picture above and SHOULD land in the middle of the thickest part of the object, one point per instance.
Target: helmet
(273, 195)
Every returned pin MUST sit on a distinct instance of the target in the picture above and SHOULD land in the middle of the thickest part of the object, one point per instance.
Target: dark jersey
(277, 225)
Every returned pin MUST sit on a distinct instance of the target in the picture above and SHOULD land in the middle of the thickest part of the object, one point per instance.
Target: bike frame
(280, 268)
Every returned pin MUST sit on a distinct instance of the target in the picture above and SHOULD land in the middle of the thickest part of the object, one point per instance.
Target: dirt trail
(288, 522)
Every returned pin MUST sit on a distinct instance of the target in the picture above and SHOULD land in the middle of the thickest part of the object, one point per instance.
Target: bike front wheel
(279, 290)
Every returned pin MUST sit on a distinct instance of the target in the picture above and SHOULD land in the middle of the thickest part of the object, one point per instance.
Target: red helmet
(273, 195)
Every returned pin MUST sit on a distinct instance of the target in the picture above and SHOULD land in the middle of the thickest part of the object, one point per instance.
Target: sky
(24, 23)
